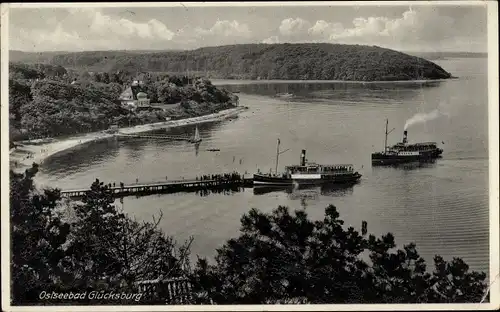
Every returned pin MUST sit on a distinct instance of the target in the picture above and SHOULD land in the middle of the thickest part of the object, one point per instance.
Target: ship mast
(386, 134)
(385, 142)
(278, 154)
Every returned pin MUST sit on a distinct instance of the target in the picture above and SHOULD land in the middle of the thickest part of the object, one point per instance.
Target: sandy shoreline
(28, 153)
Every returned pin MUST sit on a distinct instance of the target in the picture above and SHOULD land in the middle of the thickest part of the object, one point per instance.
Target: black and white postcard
(250, 156)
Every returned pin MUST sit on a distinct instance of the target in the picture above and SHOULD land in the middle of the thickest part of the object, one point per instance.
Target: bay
(442, 207)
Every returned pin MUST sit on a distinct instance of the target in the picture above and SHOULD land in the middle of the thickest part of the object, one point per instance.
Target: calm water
(442, 207)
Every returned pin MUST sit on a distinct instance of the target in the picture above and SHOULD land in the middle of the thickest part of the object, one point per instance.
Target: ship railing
(425, 143)
(338, 172)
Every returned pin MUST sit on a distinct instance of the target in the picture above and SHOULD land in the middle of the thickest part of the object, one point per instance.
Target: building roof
(141, 95)
(131, 93)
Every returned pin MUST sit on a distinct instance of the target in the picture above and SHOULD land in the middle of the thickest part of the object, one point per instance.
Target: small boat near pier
(196, 138)
(285, 95)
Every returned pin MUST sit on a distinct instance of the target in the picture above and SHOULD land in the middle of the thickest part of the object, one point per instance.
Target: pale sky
(416, 28)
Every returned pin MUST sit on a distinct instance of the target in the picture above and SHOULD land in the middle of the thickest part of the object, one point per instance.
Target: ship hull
(266, 180)
(384, 159)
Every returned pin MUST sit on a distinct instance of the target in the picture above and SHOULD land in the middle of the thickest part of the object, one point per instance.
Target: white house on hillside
(134, 96)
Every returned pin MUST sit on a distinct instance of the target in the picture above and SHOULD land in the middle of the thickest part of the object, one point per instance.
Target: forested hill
(49, 101)
(309, 61)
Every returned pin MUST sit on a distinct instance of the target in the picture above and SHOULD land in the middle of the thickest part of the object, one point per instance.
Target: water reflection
(430, 163)
(228, 191)
(81, 156)
(197, 149)
(204, 128)
(223, 190)
(335, 90)
(311, 192)
(304, 196)
(134, 147)
(301, 193)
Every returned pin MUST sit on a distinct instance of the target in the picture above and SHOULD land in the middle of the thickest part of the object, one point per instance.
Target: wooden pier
(167, 187)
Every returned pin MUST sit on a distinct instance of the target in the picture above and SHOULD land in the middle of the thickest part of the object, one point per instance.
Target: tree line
(278, 257)
(308, 61)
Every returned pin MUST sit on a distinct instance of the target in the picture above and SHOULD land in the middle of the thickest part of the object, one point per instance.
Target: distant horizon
(204, 47)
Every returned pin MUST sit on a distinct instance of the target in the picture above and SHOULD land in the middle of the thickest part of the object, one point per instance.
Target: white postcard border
(493, 110)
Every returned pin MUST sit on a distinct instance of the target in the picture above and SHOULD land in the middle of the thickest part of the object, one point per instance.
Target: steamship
(307, 173)
(403, 152)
